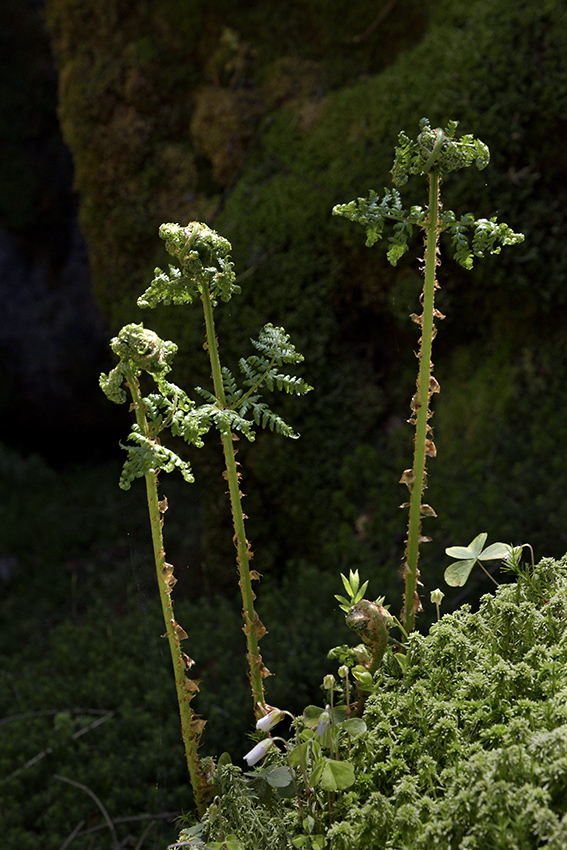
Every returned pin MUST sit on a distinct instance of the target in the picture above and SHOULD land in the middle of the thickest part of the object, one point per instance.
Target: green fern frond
(139, 349)
(276, 345)
(266, 418)
(227, 420)
(207, 395)
(171, 287)
(436, 149)
(489, 237)
(232, 391)
(372, 213)
(142, 350)
(111, 384)
(205, 262)
(403, 232)
(147, 457)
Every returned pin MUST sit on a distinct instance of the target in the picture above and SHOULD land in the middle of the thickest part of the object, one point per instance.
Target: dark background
(256, 118)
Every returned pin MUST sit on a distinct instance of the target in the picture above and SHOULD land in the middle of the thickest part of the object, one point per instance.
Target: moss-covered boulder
(241, 118)
(465, 745)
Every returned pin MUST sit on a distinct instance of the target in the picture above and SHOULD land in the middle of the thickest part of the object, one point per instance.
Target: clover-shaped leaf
(457, 573)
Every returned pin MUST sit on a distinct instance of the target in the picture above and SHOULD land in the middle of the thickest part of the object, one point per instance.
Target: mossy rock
(465, 744)
(141, 149)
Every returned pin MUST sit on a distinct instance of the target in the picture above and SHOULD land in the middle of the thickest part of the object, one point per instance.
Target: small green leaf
(478, 543)
(347, 584)
(317, 771)
(337, 775)
(280, 777)
(495, 552)
(308, 824)
(402, 661)
(463, 552)
(473, 550)
(345, 604)
(311, 715)
(354, 726)
(457, 574)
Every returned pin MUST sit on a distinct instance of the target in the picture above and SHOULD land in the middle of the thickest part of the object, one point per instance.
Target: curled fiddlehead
(372, 623)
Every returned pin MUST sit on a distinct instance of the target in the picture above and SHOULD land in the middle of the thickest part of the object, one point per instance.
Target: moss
(466, 748)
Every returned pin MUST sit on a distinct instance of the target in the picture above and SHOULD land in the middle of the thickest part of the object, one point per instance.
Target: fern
(434, 153)
(169, 288)
(149, 457)
(243, 410)
(264, 417)
(206, 273)
(205, 263)
(233, 393)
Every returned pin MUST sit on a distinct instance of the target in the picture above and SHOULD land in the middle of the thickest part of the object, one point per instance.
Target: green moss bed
(466, 748)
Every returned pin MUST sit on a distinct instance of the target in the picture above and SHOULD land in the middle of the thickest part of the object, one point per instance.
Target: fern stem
(253, 628)
(191, 726)
(421, 407)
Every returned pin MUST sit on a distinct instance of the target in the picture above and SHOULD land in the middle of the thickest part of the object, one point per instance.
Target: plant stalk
(253, 628)
(191, 726)
(421, 407)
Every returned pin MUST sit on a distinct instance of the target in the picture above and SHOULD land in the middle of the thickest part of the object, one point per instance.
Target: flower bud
(271, 719)
(258, 751)
(324, 720)
(437, 596)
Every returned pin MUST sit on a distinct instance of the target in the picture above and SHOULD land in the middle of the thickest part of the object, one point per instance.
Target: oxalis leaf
(456, 574)
(473, 550)
(336, 775)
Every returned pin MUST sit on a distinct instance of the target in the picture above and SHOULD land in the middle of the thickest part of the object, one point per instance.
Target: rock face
(53, 342)
(53, 337)
(258, 119)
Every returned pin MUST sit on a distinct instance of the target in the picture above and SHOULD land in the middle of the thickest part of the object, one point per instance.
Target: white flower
(271, 719)
(258, 752)
(437, 596)
(324, 720)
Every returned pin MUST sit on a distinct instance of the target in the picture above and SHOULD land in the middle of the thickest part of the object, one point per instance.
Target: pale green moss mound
(469, 748)
(465, 749)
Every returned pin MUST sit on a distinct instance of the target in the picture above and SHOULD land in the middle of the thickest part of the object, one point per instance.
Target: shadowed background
(257, 119)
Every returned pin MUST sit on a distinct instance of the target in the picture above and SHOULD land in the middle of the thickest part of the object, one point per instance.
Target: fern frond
(208, 396)
(147, 457)
(277, 349)
(204, 259)
(266, 418)
(436, 149)
(180, 414)
(171, 287)
(111, 384)
(140, 349)
(372, 213)
(227, 420)
(490, 237)
(231, 390)
(403, 231)
(276, 345)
